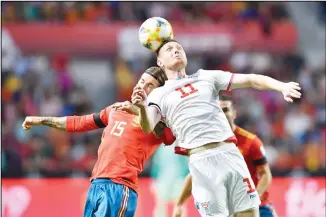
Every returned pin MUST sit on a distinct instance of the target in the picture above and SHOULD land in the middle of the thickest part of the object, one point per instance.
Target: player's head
(152, 78)
(171, 56)
(226, 105)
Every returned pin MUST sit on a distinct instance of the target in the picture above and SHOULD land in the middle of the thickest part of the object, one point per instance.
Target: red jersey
(251, 147)
(124, 147)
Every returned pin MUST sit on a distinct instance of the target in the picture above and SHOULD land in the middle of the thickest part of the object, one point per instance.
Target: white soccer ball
(154, 31)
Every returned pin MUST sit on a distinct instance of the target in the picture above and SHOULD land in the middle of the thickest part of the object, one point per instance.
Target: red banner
(65, 198)
(101, 38)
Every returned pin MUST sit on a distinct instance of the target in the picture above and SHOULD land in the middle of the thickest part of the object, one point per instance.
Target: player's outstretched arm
(184, 195)
(70, 123)
(54, 122)
(289, 90)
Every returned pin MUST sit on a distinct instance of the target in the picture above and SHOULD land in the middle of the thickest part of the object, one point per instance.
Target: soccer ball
(154, 31)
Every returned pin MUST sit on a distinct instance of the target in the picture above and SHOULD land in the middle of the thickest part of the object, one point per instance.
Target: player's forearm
(186, 191)
(59, 123)
(262, 82)
(145, 122)
(263, 184)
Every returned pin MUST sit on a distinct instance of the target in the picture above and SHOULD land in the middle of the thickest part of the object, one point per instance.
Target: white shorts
(221, 182)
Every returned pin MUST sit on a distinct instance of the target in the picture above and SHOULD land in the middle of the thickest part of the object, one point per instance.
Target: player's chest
(124, 127)
(189, 90)
(122, 124)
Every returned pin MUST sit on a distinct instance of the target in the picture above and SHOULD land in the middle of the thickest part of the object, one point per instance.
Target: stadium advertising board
(302, 197)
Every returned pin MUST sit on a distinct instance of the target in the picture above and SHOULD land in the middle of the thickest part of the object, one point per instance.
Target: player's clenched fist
(138, 97)
(31, 121)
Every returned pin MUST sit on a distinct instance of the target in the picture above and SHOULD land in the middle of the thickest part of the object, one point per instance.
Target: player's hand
(138, 97)
(291, 90)
(127, 107)
(31, 121)
(177, 211)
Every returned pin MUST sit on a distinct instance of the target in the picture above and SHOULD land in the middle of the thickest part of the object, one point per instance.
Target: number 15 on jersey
(118, 128)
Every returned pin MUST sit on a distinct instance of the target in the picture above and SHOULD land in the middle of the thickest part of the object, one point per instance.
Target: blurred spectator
(71, 12)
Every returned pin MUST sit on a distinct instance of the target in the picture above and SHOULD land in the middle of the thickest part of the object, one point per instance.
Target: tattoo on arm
(55, 122)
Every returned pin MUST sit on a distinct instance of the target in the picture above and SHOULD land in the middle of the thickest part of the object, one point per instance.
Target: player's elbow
(269, 177)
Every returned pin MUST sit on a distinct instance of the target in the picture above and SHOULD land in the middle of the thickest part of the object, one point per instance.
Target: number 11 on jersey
(186, 90)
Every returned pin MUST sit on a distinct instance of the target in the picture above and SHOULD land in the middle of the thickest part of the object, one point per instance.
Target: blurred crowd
(71, 12)
(293, 134)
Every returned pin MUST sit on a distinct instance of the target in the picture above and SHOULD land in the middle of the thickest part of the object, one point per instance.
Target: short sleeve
(222, 79)
(154, 100)
(257, 152)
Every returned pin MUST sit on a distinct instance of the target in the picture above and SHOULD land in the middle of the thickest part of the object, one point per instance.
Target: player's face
(148, 83)
(172, 56)
(228, 110)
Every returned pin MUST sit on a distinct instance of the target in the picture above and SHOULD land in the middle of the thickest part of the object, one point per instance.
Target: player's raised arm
(227, 81)
(59, 123)
(289, 90)
(148, 114)
(70, 123)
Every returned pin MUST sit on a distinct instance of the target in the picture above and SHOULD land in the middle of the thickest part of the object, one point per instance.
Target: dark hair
(158, 73)
(165, 42)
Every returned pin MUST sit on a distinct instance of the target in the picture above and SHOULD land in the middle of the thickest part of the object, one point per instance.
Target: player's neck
(233, 127)
(176, 74)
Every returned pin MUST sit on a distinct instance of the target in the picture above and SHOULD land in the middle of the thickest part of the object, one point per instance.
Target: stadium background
(66, 58)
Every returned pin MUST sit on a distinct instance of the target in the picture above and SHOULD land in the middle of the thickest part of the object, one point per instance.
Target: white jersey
(189, 107)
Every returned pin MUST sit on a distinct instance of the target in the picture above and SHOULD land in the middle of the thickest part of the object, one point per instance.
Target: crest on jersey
(206, 208)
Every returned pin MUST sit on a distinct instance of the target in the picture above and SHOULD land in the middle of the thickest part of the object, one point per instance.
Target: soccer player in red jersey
(251, 147)
(122, 153)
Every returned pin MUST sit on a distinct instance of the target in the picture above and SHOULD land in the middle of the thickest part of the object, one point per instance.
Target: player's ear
(159, 63)
(234, 114)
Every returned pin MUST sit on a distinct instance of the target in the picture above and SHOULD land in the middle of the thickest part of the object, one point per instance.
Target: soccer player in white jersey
(187, 104)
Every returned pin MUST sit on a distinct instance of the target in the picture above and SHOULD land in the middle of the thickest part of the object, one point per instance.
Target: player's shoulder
(120, 115)
(209, 74)
(157, 93)
(245, 133)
